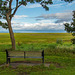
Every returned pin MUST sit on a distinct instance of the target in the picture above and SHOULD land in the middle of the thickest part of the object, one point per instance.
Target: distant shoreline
(39, 33)
(36, 31)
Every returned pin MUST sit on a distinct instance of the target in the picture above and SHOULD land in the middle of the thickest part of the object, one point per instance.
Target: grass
(27, 38)
(2, 57)
(61, 57)
(38, 70)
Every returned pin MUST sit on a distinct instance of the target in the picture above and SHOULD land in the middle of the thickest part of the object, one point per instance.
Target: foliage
(71, 27)
(73, 41)
(68, 0)
(59, 41)
(4, 25)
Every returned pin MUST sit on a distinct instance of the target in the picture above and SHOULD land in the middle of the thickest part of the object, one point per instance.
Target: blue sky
(34, 17)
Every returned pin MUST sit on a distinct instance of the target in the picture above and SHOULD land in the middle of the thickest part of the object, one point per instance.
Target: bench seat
(24, 54)
(23, 57)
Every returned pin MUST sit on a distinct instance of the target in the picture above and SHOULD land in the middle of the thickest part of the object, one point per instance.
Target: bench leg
(8, 61)
(43, 60)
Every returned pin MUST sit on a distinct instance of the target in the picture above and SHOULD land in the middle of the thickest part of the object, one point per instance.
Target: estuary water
(35, 31)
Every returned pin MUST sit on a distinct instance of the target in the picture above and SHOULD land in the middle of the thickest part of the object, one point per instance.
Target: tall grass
(28, 38)
(61, 57)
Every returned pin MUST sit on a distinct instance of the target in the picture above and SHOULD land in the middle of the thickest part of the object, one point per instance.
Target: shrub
(52, 46)
(59, 41)
(73, 41)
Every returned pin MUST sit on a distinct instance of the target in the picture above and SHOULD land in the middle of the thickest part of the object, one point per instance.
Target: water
(35, 31)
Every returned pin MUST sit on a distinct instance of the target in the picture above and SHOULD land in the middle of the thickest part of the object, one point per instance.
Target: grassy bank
(27, 38)
(60, 56)
(27, 41)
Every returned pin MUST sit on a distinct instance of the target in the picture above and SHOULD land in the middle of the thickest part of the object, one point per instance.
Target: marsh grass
(61, 57)
(28, 38)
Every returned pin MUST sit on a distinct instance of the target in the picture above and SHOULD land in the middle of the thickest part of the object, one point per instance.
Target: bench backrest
(15, 53)
(25, 53)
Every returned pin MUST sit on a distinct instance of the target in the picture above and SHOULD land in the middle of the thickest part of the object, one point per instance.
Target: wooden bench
(24, 54)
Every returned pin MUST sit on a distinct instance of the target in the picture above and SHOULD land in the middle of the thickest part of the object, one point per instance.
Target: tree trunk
(11, 33)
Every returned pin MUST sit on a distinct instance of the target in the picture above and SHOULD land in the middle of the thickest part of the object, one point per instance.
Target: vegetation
(7, 12)
(71, 27)
(61, 57)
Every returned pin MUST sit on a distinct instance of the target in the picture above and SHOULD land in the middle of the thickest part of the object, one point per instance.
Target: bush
(73, 41)
(59, 41)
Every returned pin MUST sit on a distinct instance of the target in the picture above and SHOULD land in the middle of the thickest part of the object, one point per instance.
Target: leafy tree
(71, 27)
(7, 12)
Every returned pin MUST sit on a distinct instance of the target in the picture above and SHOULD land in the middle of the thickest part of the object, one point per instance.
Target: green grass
(28, 38)
(60, 56)
(39, 69)
(2, 57)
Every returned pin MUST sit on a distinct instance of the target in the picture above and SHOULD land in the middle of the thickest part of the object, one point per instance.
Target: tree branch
(16, 3)
(10, 4)
(15, 11)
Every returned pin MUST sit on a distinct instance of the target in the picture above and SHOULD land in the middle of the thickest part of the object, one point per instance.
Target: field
(59, 52)
(35, 37)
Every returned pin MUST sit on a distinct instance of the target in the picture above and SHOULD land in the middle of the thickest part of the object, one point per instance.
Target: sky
(35, 17)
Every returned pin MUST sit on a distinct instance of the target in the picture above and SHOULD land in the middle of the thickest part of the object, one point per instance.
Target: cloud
(36, 5)
(33, 5)
(57, 5)
(20, 16)
(45, 22)
(38, 26)
(60, 17)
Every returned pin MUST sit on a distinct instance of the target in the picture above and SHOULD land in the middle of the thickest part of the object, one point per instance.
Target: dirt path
(15, 64)
(2, 64)
(28, 64)
(32, 63)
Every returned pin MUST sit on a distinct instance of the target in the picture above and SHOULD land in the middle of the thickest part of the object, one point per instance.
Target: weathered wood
(24, 54)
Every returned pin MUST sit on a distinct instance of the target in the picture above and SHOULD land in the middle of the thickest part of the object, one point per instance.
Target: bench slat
(23, 57)
(33, 57)
(16, 57)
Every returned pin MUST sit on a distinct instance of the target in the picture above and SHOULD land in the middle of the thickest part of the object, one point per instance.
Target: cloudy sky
(34, 17)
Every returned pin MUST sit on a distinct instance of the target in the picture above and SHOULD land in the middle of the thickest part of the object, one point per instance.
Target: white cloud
(60, 17)
(36, 5)
(57, 15)
(20, 16)
(46, 21)
(32, 5)
(56, 5)
(38, 26)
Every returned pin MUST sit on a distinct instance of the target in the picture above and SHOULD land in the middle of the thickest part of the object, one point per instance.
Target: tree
(70, 28)
(7, 12)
